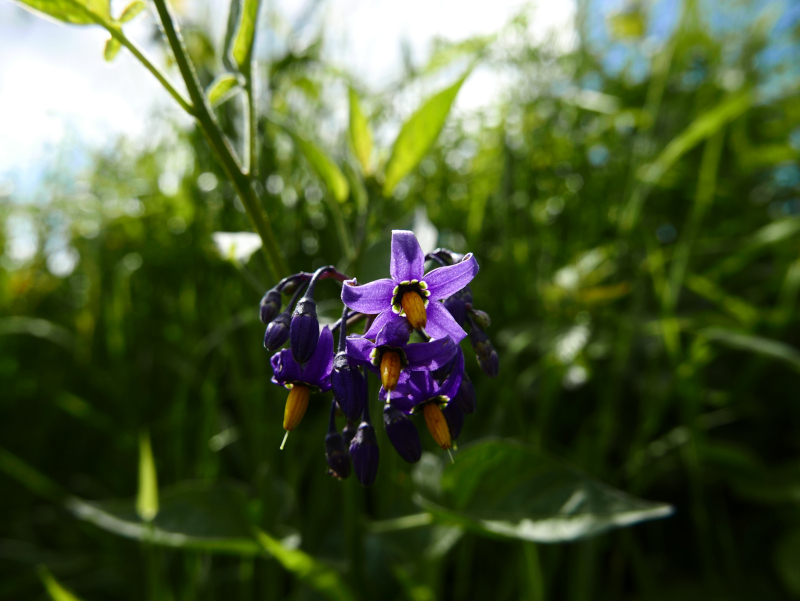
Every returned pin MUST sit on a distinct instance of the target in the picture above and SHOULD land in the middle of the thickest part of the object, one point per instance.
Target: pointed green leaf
(77, 12)
(112, 49)
(147, 498)
(223, 88)
(131, 11)
(54, 588)
(360, 133)
(507, 489)
(418, 134)
(324, 579)
(242, 49)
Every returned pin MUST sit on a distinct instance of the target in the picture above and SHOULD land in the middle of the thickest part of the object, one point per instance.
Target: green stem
(533, 581)
(225, 153)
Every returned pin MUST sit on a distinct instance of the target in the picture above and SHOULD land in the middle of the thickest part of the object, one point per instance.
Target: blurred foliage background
(635, 208)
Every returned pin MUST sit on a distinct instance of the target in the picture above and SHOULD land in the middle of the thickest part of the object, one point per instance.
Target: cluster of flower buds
(424, 378)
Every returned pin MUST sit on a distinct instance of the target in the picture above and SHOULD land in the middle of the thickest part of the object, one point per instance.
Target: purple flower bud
(365, 452)
(277, 332)
(349, 387)
(349, 433)
(335, 450)
(402, 434)
(481, 318)
(455, 419)
(465, 397)
(270, 306)
(457, 307)
(304, 330)
(487, 356)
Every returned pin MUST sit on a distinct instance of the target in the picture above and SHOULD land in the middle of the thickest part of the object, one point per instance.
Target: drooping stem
(220, 145)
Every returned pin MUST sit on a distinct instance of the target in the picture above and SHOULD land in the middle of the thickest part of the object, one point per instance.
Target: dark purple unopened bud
(335, 450)
(481, 318)
(487, 356)
(466, 294)
(465, 397)
(365, 452)
(270, 306)
(455, 419)
(304, 330)
(349, 433)
(349, 387)
(457, 307)
(402, 434)
(277, 332)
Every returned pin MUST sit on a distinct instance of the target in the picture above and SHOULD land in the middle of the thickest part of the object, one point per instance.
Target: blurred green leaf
(54, 588)
(132, 11)
(324, 579)
(360, 133)
(508, 489)
(446, 53)
(209, 517)
(242, 49)
(223, 88)
(418, 135)
(147, 497)
(787, 560)
(77, 12)
(754, 344)
(112, 49)
(39, 328)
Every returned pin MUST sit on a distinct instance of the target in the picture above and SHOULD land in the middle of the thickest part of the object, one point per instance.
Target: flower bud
(349, 433)
(365, 453)
(455, 419)
(304, 330)
(487, 356)
(457, 307)
(402, 434)
(270, 306)
(335, 450)
(349, 387)
(481, 318)
(465, 397)
(277, 332)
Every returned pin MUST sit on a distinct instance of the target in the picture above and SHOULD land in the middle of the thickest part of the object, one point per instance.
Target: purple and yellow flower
(301, 380)
(409, 291)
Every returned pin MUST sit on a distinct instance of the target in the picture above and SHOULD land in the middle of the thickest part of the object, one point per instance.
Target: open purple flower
(409, 291)
(302, 379)
(393, 358)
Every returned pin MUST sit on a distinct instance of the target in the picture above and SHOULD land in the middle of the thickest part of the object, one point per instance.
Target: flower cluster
(424, 377)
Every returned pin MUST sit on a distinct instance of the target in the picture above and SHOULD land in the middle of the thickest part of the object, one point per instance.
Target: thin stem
(250, 128)
(225, 153)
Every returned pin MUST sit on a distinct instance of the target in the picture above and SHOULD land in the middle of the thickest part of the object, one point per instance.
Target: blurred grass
(637, 229)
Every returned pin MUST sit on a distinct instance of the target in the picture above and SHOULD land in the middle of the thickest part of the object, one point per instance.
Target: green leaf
(77, 12)
(54, 588)
(223, 88)
(787, 560)
(507, 489)
(201, 516)
(242, 49)
(418, 134)
(147, 498)
(324, 579)
(132, 11)
(112, 49)
(754, 344)
(360, 133)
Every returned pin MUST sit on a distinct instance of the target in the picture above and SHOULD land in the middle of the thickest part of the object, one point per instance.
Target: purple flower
(409, 291)
(315, 374)
(420, 388)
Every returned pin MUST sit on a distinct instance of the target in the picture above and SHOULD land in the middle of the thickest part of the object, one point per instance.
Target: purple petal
(430, 355)
(285, 369)
(369, 298)
(358, 350)
(444, 281)
(451, 385)
(318, 369)
(442, 324)
(408, 260)
(380, 322)
(394, 333)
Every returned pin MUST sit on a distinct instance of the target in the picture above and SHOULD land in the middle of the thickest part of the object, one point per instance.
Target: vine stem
(225, 153)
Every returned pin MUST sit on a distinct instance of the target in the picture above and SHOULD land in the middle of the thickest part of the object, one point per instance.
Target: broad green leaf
(132, 11)
(112, 49)
(54, 588)
(508, 489)
(242, 49)
(324, 579)
(360, 133)
(147, 498)
(418, 135)
(209, 517)
(222, 88)
(754, 344)
(77, 12)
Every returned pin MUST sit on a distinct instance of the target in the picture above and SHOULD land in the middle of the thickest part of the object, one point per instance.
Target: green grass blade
(54, 588)
(360, 133)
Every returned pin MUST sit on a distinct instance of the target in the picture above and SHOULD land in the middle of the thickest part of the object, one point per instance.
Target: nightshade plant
(416, 378)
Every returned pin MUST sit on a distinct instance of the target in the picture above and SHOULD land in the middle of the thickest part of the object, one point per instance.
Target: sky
(56, 88)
